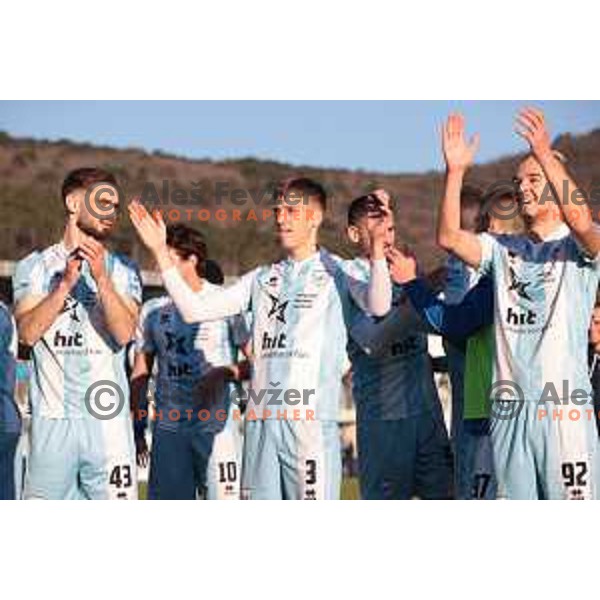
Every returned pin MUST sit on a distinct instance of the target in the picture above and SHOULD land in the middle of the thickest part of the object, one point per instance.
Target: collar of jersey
(560, 232)
(298, 264)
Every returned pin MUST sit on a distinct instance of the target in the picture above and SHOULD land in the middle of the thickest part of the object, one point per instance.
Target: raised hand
(150, 228)
(378, 231)
(94, 253)
(72, 270)
(402, 264)
(458, 153)
(531, 126)
(382, 196)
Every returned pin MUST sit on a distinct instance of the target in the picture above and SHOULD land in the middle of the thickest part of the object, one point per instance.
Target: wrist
(231, 372)
(405, 280)
(101, 279)
(102, 282)
(64, 287)
(455, 170)
(163, 260)
(543, 154)
(377, 250)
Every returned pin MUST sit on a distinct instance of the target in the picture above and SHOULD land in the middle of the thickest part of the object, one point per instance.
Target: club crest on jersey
(277, 309)
(70, 306)
(518, 285)
(178, 343)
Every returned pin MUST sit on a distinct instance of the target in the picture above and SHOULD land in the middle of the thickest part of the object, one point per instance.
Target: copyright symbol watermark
(99, 200)
(104, 399)
(501, 200)
(506, 400)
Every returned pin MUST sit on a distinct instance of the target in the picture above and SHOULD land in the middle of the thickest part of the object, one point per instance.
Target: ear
(353, 234)
(73, 202)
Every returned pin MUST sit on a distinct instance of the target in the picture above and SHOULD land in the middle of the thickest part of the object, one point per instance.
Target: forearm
(450, 236)
(139, 401)
(572, 201)
(456, 322)
(218, 305)
(119, 318)
(380, 288)
(33, 324)
(449, 217)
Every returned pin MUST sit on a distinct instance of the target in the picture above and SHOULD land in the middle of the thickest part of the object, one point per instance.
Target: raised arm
(571, 200)
(120, 312)
(35, 311)
(454, 321)
(459, 156)
(219, 304)
(375, 295)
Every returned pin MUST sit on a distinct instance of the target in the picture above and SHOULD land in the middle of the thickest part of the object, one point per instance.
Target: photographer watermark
(506, 400)
(177, 201)
(504, 200)
(104, 399)
(103, 200)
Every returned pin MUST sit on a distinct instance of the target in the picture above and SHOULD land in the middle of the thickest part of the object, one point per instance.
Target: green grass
(349, 489)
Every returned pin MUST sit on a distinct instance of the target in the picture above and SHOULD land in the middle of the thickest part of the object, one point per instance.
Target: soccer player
(194, 430)
(467, 327)
(10, 421)
(77, 306)
(403, 446)
(594, 359)
(297, 307)
(544, 286)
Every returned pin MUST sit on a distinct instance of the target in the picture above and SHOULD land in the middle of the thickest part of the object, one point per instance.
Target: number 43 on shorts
(121, 482)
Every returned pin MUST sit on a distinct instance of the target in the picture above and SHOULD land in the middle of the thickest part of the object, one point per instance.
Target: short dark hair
(497, 191)
(305, 187)
(83, 178)
(213, 272)
(187, 241)
(471, 197)
(362, 207)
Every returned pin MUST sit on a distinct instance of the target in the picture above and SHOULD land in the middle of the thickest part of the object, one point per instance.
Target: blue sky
(378, 136)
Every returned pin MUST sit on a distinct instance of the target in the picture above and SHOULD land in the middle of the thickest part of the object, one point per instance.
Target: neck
(193, 281)
(545, 225)
(302, 252)
(71, 236)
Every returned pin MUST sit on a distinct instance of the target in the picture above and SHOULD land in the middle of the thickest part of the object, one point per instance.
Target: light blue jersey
(544, 296)
(299, 336)
(74, 454)
(299, 312)
(77, 350)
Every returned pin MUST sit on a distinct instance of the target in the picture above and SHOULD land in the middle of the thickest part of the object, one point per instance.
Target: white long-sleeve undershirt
(375, 298)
